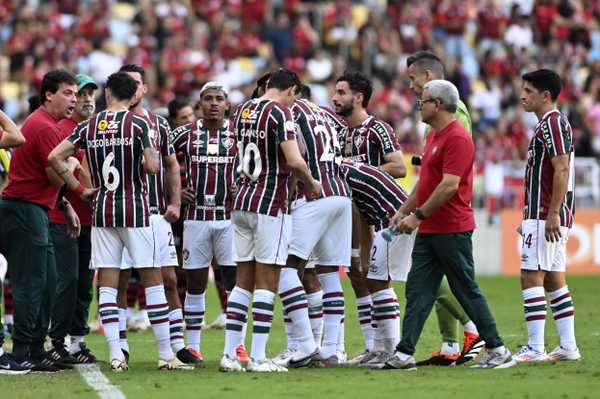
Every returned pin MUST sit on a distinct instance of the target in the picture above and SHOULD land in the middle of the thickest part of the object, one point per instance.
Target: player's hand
(408, 224)
(316, 191)
(73, 164)
(73, 224)
(188, 196)
(89, 194)
(172, 213)
(552, 229)
(519, 231)
(395, 220)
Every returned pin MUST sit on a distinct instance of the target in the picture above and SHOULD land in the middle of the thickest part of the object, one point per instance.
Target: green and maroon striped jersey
(552, 137)
(368, 142)
(114, 144)
(160, 136)
(322, 147)
(262, 183)
(375, 192)
(210, 161)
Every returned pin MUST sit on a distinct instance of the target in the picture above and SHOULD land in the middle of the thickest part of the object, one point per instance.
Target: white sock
(534, 303)
(9, 319)
(76, 341)
(564, 316)
(1, 351)
(109, 316)
(499, 349)
(364, 306)
(333, 312)
(315, 315)
(158, 314)
(129, 312)
(194, 308)
(450, 348)
(341, 344)
(293, 298)
(387, 316)
(262, 317)
(176, 330)
(289, 332)
(123, 330)
(237, 312)
(470, 327)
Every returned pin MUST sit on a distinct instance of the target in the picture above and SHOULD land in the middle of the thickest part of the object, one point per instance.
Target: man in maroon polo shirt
(73, 274)
(440, 208)
(33, 190)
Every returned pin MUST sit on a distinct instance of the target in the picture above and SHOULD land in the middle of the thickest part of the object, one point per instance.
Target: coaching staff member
(440, 208)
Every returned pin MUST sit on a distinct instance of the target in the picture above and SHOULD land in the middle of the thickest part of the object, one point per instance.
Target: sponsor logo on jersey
(102, 125)
(249, 115)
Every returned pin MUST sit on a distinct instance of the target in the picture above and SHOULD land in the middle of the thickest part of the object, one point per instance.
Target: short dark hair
(134, 68)
(34, 102)
(544, 79)
(426, 60)
(283, 79)
(261, 85)
(358, 82)
(52, 80)
(175, 105)
(121, 85)
(305, 92)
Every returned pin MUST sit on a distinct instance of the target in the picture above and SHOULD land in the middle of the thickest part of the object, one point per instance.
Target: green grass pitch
(550, 380)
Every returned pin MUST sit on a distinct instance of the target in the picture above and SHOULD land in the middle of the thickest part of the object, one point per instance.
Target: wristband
(419, 214)
(79, 189)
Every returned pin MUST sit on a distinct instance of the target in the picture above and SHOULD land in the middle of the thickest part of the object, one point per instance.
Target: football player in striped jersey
(267, 153)
(120, 152)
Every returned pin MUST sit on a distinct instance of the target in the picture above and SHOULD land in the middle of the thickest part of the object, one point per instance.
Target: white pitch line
(98, 382)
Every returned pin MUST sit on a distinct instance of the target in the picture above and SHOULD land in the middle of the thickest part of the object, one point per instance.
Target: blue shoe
(10, 367)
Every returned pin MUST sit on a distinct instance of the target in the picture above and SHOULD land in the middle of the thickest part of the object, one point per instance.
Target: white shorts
(262, 238)
(322, 230)
(391, 260)
(109, 243)
(165, 253)
(539, 254)
(205, 240)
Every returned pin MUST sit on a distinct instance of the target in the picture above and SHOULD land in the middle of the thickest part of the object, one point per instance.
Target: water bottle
(389, 234)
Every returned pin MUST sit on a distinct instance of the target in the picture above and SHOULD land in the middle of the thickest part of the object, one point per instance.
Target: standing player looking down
(267, 152)
(209, 151)
(547, 218)
(120, 152)
(371, 141)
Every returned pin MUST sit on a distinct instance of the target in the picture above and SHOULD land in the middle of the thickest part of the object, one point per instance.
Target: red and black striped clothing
(114, 144)
(160, 136)
(553, 136)
(375, 193)
(262, 184)
(368, 142)
(210, 160)
(322, 147)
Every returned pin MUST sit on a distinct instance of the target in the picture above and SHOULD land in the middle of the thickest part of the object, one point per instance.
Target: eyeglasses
(427, 100)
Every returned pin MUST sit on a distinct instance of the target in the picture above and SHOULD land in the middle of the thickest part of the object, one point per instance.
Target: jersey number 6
(110, 174)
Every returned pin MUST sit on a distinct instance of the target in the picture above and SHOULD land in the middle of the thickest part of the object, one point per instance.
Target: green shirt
(463, 116)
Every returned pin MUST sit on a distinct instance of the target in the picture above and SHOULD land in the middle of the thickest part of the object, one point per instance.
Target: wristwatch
(62, 205)
(419, 214)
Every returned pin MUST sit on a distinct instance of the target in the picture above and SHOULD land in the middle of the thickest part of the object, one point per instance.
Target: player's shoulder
(380, 126)
(183, 129)
(162, 122)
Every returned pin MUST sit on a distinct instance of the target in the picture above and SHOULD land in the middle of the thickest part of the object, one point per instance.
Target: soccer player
(74, 276)
(377, 197)
(209, 150)
(547, 217)
(267, 152)
(164, 194)
(371, 141)
(422, 67)
(180, 113)
(25, 241)
(120, 152)
(322, 228)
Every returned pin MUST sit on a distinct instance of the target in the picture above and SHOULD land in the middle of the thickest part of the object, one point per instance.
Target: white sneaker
(399, 361)
(492, 359)
(342, 356)
(229, 365)
(376, 361)
(118, 366)
(284, 357)
(218, 323)
(174, 364)
(302, 359)
(528, 354)
(358, 359)
(560, 353)
(264, 366)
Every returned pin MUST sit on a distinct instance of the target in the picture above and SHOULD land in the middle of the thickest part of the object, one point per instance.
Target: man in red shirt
(440, 207)
(74, 276)
(32, 191)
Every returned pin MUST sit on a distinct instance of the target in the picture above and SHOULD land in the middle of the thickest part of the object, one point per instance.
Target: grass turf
(548, 380)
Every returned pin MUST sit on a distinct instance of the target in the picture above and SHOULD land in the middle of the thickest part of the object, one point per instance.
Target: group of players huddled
(279, 193)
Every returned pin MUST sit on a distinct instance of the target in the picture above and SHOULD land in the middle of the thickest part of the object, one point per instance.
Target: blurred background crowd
(485, 44)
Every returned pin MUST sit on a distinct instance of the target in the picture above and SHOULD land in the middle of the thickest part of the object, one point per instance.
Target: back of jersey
(260, 127)
(115, 143)
(323, 152)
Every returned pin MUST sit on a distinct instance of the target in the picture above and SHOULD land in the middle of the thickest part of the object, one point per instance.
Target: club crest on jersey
(358, 140)
(227, 142)
(289, 125)
(213, 149)
(152, 134)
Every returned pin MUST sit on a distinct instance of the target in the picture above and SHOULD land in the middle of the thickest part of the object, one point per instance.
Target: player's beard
(345, 110)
